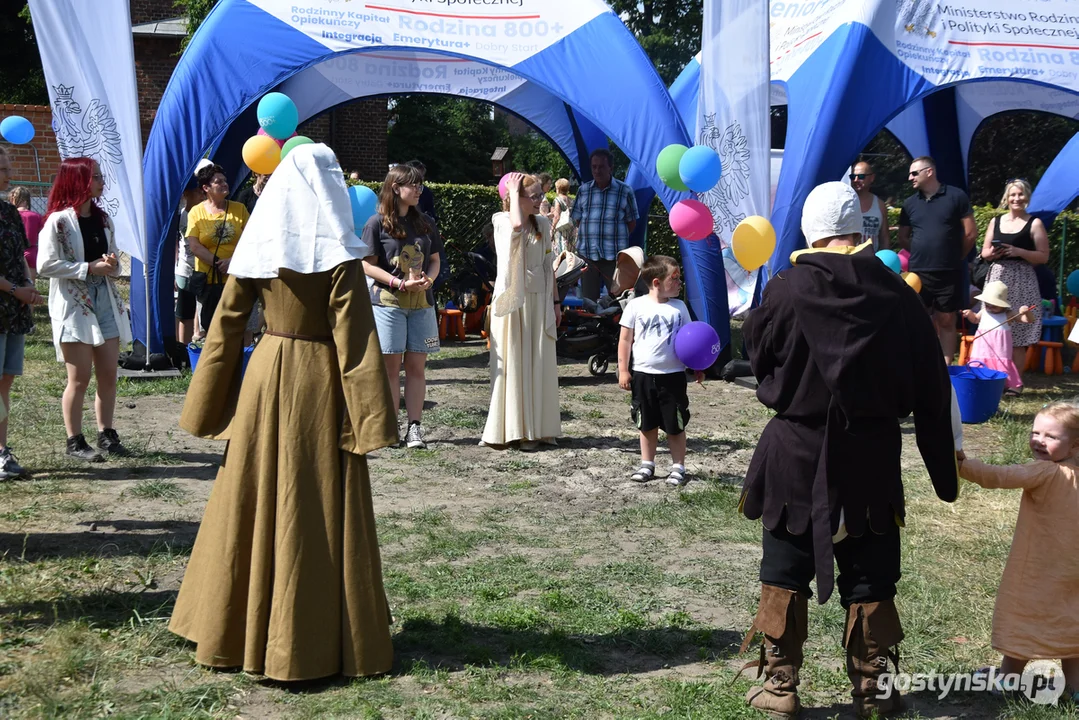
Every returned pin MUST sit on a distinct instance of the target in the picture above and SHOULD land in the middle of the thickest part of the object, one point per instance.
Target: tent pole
(1063, 243)
(146, 275)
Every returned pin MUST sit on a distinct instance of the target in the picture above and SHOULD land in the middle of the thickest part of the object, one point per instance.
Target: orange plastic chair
(1054, 364)
(965, 344)
(451, 324)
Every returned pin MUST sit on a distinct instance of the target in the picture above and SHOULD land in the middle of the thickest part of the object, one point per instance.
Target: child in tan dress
(1037, 609)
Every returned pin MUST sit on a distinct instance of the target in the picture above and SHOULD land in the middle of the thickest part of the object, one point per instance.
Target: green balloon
(667, 166)
(298, 140)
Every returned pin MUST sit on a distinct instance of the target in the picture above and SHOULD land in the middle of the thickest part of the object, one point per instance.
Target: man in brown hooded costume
(843, 350)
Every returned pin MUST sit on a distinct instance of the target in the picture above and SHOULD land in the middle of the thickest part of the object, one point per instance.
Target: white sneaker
(414, 436)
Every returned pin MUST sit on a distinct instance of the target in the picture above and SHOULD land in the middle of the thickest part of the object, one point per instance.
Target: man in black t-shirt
(937, 226)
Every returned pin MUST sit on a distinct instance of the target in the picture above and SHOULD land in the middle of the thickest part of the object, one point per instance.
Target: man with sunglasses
(605, 212)
(874, 214)
(937, 226)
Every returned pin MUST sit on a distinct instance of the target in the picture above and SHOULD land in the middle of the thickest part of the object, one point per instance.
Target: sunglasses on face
(538, 197)
(859, 176)
(916, 173)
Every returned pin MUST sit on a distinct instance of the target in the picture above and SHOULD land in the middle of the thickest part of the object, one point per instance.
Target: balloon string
(995, 327)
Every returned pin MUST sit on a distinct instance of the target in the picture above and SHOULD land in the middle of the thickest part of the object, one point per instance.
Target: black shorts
(185, 305)
(660, 401)
(944, 290)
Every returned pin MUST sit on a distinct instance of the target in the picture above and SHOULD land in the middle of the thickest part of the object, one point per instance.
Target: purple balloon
(697, 345)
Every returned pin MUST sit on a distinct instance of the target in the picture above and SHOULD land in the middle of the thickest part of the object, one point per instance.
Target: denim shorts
(406, 330)
(12, 351)
(98, 287)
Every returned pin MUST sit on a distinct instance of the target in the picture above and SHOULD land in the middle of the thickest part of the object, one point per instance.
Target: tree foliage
(668, 30)
(196, 11)
(22, 80)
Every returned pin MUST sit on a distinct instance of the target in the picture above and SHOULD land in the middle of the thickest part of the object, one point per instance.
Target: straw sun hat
(994, 293)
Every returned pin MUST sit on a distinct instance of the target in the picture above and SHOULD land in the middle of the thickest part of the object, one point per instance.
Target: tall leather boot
(873, 630)
(783, 617)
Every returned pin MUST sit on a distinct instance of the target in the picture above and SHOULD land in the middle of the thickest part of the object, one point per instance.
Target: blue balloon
(364, 201)
(278, 115)
(17, 130)
(1073, 283)
(890, 260)
(700, 168)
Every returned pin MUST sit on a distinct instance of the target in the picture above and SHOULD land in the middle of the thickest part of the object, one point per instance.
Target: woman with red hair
(77, 252)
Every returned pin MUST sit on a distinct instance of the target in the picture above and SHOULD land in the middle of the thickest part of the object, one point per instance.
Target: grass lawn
(540, 585)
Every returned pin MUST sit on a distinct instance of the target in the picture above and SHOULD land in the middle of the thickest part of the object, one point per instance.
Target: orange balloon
(914, 281)
(262, 154)
(753, 242)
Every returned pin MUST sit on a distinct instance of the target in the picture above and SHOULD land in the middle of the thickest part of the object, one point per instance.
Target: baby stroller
(585, 335)
(471, 287)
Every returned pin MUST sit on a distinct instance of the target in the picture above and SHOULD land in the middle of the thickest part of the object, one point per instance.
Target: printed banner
(89, 63)
(503, 31)
(398, 72)
(733, 119)
(942, 41)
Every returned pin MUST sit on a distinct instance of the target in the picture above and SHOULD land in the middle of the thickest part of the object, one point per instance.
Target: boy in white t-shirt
(658, 381)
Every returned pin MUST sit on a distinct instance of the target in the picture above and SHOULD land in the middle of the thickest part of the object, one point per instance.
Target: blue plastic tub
(978, 391)
(193, 352)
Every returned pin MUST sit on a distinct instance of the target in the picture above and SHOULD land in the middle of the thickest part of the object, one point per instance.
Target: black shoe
(78, 448)
(9, 465)
(109, 442)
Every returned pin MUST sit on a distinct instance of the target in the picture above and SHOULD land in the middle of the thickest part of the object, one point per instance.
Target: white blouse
(60, 258)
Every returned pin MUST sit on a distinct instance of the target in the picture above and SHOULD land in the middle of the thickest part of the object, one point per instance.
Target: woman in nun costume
(285, 578)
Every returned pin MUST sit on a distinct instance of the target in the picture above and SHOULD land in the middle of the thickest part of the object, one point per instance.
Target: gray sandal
(644, 474)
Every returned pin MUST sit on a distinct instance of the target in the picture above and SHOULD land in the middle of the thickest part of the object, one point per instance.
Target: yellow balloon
(914, 281)
(753, 242)
(262, 154)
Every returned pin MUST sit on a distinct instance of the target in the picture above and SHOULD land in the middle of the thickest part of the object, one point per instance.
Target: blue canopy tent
(341, 80)
(845, 68)
(614, 86)
(828, 56)
(1059, 185)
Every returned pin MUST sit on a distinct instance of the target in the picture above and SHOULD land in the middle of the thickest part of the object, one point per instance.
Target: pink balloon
(502, 186)
(280, 143)
(904, 260)
(691, 219)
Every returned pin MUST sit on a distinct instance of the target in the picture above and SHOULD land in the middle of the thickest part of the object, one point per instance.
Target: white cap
(205, 162)
(831, 209)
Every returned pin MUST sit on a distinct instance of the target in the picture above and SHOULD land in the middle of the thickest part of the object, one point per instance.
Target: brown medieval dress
(285, 577)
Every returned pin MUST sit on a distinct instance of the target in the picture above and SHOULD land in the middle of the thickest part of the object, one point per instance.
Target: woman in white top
(77, 252)
(525, 314)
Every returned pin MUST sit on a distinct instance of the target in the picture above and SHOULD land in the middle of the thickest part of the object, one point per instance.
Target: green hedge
(464, 211)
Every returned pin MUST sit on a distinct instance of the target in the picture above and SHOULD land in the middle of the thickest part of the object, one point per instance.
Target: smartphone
(996, 243)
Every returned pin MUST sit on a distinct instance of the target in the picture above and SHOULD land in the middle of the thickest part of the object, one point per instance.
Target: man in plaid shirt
(605, 212)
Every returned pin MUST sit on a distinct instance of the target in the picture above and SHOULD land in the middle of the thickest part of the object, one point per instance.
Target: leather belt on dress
(294, 336)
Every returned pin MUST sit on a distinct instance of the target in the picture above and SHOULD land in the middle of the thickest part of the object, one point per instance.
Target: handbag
(564, 220)
(199, 281)
(979, 272)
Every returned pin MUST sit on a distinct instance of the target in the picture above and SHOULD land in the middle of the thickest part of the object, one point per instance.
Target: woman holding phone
(1014, 243)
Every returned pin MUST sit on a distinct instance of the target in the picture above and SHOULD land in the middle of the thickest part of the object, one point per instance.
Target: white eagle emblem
(92, 135)
(916, 16)
(733, 186)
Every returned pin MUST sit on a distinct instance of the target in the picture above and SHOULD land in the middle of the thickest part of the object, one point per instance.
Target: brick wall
(155, 61)
(144, 11)
(357, 134)
(22, 157)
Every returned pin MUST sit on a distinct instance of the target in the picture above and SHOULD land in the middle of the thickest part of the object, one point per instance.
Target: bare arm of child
(972, 317)
(1024, 314)
(1028, 476)
(625, 347)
